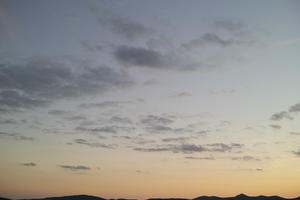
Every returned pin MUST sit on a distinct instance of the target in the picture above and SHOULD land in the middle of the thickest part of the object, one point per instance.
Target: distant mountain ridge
(238, 197)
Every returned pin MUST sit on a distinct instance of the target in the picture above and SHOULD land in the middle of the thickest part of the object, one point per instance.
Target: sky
(140, 99)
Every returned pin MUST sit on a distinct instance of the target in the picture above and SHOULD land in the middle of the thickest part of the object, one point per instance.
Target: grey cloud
(199, 158)
(8, 121)
(183, 148)
(29, 164)
(104, 104)
(281, 115)
(221, 147)
(176, 139)
(89, 47)
(17, 136)
(141, 57)
(93, 144)
(105, 129)
(122, 120)
(21, 137)
(206, 39)
(142, 141)
(246, 158)
(123, 137)
(295, 108)
(37, 81)
(11, 100)
(297, 153)
(158, 128)
(152, 120)
(190, 148)
(75, 167)
(76, 118)
(124, 27)
(59, 112)
(228, 25)
(295, 133)
(274, 126)
(286, 114)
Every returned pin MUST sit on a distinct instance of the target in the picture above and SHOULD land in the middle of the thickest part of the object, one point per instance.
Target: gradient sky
(140, 99)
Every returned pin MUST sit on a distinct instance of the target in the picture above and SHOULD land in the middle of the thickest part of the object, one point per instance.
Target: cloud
(295, 108)
(152, 120)
(221, 147)
(8, 121)
(11, 100)
(245, 158)
(207, 39)
(141, 57)
(121, 120)
(295, 133)
(297, 153)
(280, 116)
(182, 148)
(104, 129)
(181, 94)
(93, 144)
(158, 128)
(58, 112)
(199, 158)
(21, 137)
(91, 48)
(125, 27)
(176, 139)
(191, 148)
(75, 167)
(76, 118)
(286, 114)
(228, 25)
(38, 81)
(104, 104)
(205, 52)
(29, 164)
(17, 136)
(274, 126)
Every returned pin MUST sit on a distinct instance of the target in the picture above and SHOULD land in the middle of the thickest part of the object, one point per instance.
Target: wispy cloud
(93, 144)
(245, 158)
(29, 164)
(190, 148)
(199, 158)
(75, 167)
(286, 114)
(39, 81)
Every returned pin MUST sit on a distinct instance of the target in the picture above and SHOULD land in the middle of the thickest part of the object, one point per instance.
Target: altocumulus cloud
(74, 167)
(39, 81)
(141, 57)
(286, 114)
(29, 164)
(191, 148)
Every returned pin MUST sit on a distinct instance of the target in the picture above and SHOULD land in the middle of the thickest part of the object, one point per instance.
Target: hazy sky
(139, 99)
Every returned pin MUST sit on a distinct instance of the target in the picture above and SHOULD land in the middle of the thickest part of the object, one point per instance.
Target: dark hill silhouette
(168, 199)
(73, 197)
(244, 197)
(238, 197)
(1, 198)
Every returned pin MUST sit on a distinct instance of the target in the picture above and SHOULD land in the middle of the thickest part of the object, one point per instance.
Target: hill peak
(241, 196)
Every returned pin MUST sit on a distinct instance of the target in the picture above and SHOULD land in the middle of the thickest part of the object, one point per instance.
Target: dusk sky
(140, 99)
